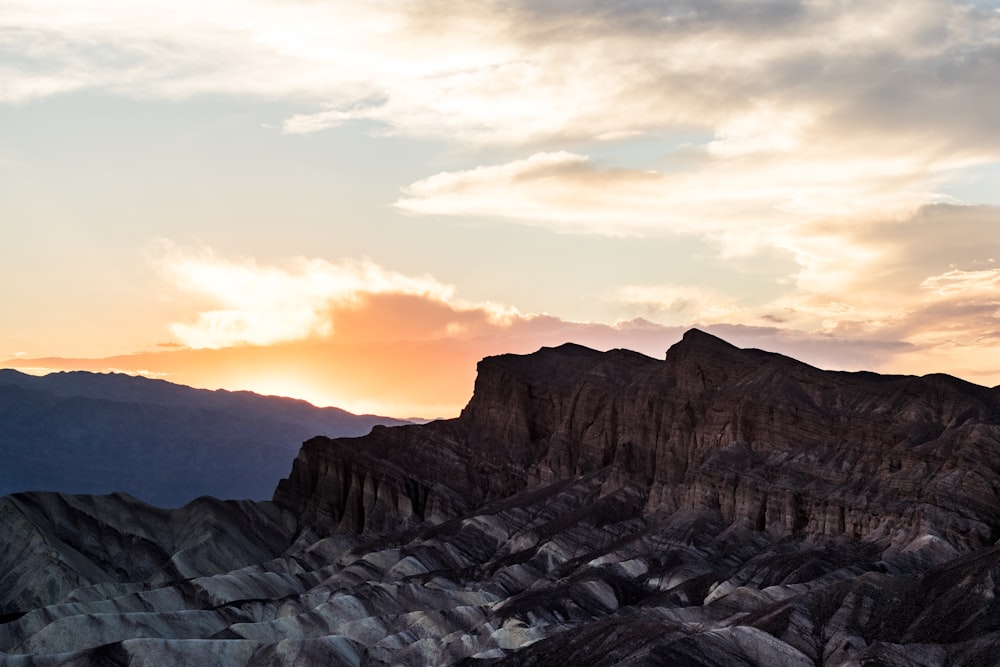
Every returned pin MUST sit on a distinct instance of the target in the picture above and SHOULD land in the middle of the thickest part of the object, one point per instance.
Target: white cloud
(805, 109)
(314, 122)
(964, 283)
(758, 76)
(743, 203)
(761, 130)
(260, 305)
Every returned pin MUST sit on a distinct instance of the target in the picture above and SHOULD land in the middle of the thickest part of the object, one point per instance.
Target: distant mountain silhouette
(164, 443)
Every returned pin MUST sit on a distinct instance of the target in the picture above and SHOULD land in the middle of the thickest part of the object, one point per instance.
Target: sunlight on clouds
(830, 259)
(242, 302)
(314, 122)
(743, 202)
(261, 305)
(764, 130)
(957, 282)
(520, 72)
(867, 278)
(814, 109)
(949, 319)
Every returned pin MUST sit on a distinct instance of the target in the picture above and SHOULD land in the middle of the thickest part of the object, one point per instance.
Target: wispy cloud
(965, 283)
(743, 202)
(762, 75)
(802, 109)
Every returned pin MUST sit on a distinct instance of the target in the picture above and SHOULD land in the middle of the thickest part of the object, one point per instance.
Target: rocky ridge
(721, 507)
(749, 434)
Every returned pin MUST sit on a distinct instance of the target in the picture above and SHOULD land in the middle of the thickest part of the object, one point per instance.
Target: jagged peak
(703, 360)
(698, 340)
(701, 348)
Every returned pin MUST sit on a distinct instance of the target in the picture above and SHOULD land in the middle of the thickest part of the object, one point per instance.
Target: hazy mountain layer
(164, 443)
(723, 507)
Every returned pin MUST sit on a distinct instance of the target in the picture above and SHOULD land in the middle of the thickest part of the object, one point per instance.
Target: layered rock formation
(749, 434)
(721, 507)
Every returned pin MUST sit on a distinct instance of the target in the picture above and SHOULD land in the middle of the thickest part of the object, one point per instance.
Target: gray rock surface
(723, 507)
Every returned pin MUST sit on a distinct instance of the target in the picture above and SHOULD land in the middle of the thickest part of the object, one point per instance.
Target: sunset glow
(352, 203)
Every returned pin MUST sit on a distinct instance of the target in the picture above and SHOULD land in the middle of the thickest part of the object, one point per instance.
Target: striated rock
(753, 435)
(58, 547)
(721, 507)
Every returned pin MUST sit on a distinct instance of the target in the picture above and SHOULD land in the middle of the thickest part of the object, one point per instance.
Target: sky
(354, 202)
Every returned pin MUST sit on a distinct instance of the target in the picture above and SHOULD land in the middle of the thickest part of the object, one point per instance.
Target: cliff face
(720, 508)
(753, 435)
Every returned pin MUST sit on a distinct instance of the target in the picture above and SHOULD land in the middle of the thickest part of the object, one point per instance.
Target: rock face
(722, 507)
(751, 435)
(164, 443)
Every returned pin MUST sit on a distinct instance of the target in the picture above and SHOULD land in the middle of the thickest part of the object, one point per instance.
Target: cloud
(964, 283)
(743, 203)
(261, 305)
(881, 265)
(894, 279)
(929, 279)
(519, 72)
(357, 335)
(769, 113)
(243, 302)
(879, 262)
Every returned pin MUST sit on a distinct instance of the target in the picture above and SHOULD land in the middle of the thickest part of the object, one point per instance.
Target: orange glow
(405, 350)
(424, 379)
(434, 377)
(400, 352)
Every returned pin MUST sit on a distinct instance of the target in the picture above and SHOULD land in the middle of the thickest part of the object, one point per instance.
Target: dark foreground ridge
(723, 507)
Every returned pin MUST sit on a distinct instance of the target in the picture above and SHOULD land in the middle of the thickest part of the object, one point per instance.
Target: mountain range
(164, 443)
(719, 507)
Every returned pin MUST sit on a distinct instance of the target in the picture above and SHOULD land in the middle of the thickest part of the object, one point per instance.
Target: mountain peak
(702, 341)
(701, 361)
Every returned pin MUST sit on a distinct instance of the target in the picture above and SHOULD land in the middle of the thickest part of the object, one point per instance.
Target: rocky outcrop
(756, 436)
(720, 507)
